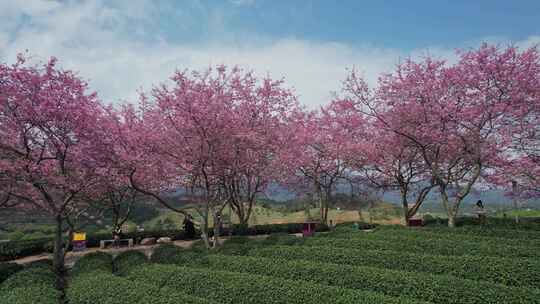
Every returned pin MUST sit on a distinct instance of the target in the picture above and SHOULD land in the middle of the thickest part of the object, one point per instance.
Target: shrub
(30, 277)
(105, 288)
(402, 233)
(17, 249)
(128, 260)
(239, 288)
(432, 288)
(163, 253)
(507, 271)
(109, 289)
(530, 224)
(172, 296)
(7, 269)
(432, 246)
(45, 263)
(271, 228)
(171, 254)
(38, 294)
(94, 261)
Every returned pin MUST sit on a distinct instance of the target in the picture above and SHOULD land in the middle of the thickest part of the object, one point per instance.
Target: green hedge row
(34, 285)
(122, 264)
(129, 260)
(241, 288)
(511, 272)
(171, 254)
(485, 231)
(8, 269)
(432, 246)
(106, 288)
(432, 288)
(18, 249)
(94, 261)
(526, 224)
(429, 235)
(477, 232)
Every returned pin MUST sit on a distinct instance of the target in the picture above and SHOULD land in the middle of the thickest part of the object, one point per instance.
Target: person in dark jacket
(189, 227)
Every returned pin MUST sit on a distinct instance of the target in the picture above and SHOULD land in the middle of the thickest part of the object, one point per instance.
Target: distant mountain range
(489, 197)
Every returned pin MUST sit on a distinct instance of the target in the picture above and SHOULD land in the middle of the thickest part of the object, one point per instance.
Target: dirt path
(72, 257)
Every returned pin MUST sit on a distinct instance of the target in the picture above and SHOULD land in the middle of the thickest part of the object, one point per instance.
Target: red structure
(308, 229)
(416, 222)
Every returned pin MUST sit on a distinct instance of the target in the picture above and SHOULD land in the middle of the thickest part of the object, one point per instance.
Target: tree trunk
(217, 230)
(449, 208)
(243, 218)
(204, 229)
(516, 210)
(405, 208)
(58, 255)
(451, 220)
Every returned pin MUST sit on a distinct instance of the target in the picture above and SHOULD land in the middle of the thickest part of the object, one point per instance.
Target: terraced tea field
(387, 265)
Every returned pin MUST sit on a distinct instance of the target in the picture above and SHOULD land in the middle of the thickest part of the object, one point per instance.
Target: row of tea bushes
(241, 288)
(428, 235)
(18, 249)
(485, 231)
(33, 285)
(470, 231)
(103, 262)
(507, 271)
(433, 288)
(106, 288)
(438, 246)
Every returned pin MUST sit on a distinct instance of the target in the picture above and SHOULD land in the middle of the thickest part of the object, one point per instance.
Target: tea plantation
(387, 265)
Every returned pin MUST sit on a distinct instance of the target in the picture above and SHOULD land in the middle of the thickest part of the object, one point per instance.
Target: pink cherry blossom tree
(322, 147)
(212, 134)
(51, 146)
(383, 160)
(455, 115)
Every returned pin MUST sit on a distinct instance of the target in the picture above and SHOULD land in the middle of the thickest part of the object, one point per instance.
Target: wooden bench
(104, 243)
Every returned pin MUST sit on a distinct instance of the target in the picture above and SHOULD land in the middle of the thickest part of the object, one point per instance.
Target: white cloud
(91, 38)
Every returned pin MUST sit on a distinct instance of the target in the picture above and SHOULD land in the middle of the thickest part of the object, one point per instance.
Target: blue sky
(396, 24)
(125, 46)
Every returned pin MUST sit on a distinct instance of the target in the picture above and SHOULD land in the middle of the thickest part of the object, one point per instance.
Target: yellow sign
(79, 236)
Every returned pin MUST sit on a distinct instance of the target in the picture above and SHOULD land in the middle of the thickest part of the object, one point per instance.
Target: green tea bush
(8, 269)
(106, 288)
(94, 261)
(129, 260)
(171, 254)
(165, 252)
(172, 296)
(17, 249)
(29, 277)
(33, 285)
(432, 288)
(507, 271)
(487, 231)
(37, 294)
(240, 288)
(432, 246)
(525, 224)
(46, 263)
(394, 233)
